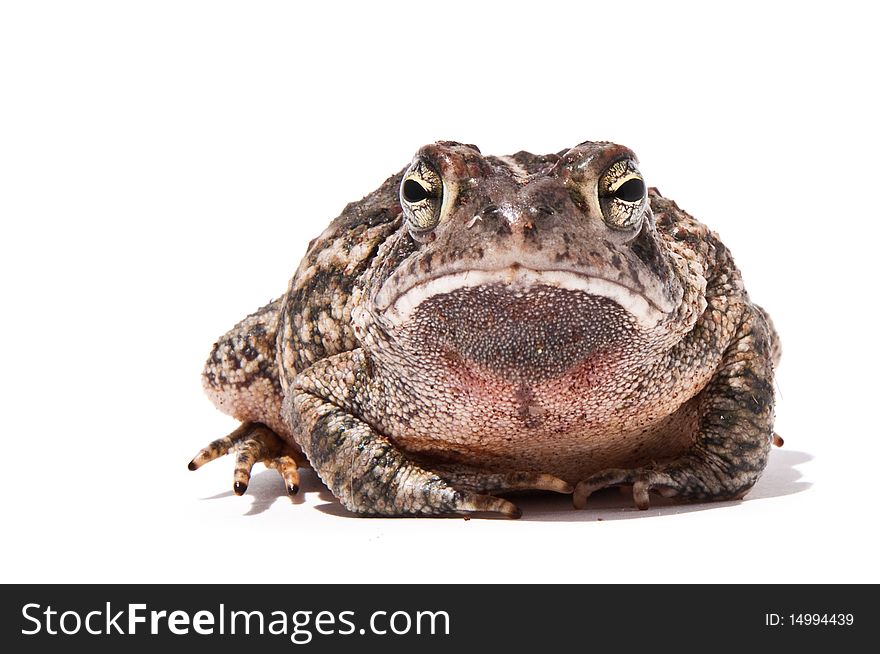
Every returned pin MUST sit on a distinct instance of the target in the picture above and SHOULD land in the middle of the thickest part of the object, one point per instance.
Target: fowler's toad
(483, 324)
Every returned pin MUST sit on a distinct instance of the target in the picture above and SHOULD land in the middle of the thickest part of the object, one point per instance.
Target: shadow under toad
(266, 488)
(780, 478)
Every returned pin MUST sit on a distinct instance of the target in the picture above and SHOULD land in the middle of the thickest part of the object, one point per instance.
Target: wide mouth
(398, 308)
(523, 334)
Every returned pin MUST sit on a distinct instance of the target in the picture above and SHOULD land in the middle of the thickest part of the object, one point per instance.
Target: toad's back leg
(241, 378)
(241, 374)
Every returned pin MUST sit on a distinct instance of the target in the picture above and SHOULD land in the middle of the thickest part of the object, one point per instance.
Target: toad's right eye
(414, 192)
(421, 196)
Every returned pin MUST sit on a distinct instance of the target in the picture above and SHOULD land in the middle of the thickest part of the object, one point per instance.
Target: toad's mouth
(399, 307)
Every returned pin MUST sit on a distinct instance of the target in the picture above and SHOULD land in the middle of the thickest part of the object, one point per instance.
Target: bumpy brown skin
(416, 399)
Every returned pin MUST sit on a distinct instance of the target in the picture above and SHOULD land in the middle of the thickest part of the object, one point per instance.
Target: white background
(164, 164)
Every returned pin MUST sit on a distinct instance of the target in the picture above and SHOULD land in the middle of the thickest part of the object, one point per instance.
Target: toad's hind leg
(241, 378)
(253, 443)
(241, 374)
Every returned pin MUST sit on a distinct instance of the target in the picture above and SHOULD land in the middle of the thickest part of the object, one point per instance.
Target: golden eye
(622, 194)
(421, 196)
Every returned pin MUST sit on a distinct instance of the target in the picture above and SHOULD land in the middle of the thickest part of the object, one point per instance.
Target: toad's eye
(414, 192)
(632, 190)
(622, 195)
(421, 196)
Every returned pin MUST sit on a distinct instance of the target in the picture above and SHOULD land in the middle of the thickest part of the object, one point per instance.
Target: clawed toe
(473, 503)
(221, 446)
(287, 467)
(481, 481)
(604, 479)
(642, 482)
(254, 443)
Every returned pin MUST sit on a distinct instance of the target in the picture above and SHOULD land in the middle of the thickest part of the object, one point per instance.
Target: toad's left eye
(622, 195)
(421, 196)
(414, 192)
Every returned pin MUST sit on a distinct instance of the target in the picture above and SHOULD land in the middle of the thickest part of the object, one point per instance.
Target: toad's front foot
(642, 480)
(735, 412)
(254, 442)
(366, 470)
(713, 470)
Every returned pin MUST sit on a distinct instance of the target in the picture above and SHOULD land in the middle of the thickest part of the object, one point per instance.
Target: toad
(479, 325)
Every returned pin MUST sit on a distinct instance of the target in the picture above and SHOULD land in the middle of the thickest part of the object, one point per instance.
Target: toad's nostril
(542, 210)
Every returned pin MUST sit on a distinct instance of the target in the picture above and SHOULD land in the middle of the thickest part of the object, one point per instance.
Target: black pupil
(631, 190)
(414, 192)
